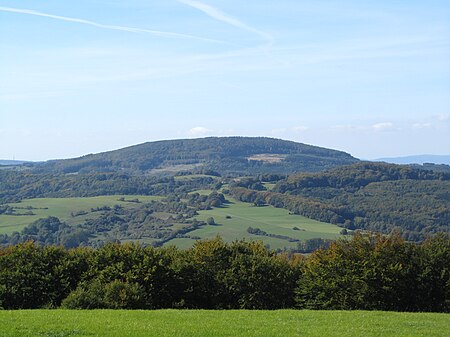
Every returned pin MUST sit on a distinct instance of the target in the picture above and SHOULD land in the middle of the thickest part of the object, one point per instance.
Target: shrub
(113, 295)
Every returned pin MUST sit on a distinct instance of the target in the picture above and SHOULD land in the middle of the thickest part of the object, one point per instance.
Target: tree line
(366, 272)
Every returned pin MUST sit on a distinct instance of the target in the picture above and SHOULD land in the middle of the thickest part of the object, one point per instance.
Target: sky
(371, 78)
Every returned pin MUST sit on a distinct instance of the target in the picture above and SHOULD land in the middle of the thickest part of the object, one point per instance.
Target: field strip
(244, 218)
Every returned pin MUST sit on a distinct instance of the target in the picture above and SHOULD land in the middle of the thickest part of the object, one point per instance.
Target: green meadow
(233, 219)
(221, 323)
(62, 208)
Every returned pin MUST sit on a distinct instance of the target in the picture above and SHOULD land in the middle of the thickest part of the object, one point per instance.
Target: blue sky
(368, 77)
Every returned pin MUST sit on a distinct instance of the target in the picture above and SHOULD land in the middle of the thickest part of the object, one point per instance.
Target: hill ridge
(226, 155)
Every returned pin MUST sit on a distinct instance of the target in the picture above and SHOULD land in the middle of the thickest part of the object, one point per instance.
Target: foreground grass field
(65, 323)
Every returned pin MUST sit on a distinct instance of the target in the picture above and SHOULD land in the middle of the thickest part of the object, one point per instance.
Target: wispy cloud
(278, 131)
(224, 17)
(104, 26)
(199, 131)
(442, 117)
(300, 128)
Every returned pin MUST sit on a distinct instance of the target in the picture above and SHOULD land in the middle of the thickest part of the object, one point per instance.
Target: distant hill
(12, 162)
(418, 159)
(225, 155)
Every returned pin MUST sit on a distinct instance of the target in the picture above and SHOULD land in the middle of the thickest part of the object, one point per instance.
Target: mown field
(217, 323)
(62, 209)
(233, 219)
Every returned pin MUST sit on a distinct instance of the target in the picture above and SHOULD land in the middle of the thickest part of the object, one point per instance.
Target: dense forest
(367, 272)
(368, 196)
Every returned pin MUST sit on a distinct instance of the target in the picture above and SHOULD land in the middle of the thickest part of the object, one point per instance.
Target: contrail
(113, 27)
(221, 16)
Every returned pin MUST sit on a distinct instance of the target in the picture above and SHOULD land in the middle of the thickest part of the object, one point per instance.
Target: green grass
(270, 219)
(269, 186)
(62, 208)
(219, 323)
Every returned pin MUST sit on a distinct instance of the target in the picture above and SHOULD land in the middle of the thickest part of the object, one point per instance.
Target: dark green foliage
(202, 202)
(434, 280)
(240, 275)
(377, 273)
(32, 277)
(365, 272)
(112, 295)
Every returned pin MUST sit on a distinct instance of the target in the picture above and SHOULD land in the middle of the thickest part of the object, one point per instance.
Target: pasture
(62, 208)
(221, 323)
(233, 219)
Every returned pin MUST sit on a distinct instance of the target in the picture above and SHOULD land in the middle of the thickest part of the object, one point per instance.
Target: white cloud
(383, 126)
(223, 17)
(300, 128)
(100, 25)
(347, 127)
(199, 131)
(419, 126)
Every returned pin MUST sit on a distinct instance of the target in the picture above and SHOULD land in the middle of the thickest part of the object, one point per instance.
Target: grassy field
(61, 208)
(232, 219)
(270, 219)
(219, 323)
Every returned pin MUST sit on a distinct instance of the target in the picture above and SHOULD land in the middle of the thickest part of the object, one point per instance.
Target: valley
(180, 191)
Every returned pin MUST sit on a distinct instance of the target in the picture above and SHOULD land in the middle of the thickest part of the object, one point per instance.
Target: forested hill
(225, 155)
(357, 176)
(370, 196)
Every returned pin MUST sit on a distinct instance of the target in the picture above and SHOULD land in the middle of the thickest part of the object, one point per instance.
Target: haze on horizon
(368, 78)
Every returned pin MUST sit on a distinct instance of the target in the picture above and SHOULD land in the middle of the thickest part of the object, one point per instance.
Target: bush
(113, 295)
